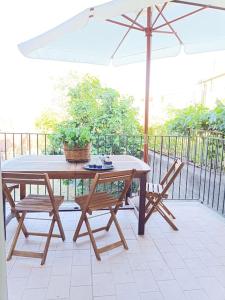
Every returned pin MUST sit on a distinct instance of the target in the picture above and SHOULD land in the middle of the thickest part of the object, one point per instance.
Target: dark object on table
(102, 167)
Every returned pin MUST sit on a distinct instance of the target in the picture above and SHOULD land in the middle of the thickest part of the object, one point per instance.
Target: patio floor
(163, 264)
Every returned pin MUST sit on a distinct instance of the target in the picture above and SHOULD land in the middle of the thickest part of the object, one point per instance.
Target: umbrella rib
(133, 22)
(198, 4)
(125, 35)
(169, 25)
(163, 31)
(159, 14)
(181, 17)
(124, 24)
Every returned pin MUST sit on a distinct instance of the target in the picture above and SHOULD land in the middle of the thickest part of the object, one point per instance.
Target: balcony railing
(202, 179)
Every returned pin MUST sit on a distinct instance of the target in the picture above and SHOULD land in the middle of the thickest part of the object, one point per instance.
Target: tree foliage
(102, 109)
(111, 118)
(48, 121)
(198, 117)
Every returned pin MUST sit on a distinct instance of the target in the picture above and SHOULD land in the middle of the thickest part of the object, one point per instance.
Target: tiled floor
(162, 264)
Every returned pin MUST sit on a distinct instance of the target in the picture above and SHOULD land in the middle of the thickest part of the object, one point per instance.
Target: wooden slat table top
(57, 167)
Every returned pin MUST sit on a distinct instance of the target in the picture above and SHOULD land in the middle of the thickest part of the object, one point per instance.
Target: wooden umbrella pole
(148, 32)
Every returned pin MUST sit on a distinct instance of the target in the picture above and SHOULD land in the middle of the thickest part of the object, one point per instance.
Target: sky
(28, 86)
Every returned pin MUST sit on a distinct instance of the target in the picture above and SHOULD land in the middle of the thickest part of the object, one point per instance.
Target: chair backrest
(25, 178)
(171, 175)
(110, 177)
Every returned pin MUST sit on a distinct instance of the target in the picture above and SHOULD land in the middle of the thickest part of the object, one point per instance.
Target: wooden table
(58, 168)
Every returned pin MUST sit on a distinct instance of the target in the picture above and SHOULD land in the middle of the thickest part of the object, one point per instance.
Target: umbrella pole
(148, 33)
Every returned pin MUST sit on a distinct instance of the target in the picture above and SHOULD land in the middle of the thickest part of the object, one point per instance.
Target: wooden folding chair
(100, 200)
(32, 204)
(156, 193)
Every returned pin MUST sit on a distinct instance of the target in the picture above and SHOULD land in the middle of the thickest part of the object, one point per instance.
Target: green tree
(48, 121)
(217, 117)
(102, 109)
(191, 117)
(83, 100)
(198, 117)
(110, 116)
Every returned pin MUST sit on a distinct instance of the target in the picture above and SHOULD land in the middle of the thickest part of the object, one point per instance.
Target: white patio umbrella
(129, 31)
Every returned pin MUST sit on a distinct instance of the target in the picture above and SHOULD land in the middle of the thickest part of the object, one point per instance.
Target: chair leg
(147, 205)
(92, 238)
(20, 225)
(153, 208)
(118, 229)
(58, 220)
(76, 233)
(111, 218)
(48, 241)
(24, 229)
(167, 219)
(167, 210)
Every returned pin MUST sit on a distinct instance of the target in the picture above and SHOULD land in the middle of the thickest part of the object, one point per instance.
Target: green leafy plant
(71, 134)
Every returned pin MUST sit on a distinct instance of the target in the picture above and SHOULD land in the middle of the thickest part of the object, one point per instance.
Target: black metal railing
(202, 178)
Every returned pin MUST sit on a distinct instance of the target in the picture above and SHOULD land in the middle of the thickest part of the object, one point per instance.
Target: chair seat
(155, 189)
(98, 201)
(38, 203)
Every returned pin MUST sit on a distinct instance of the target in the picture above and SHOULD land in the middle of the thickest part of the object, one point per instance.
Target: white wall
(3, 278)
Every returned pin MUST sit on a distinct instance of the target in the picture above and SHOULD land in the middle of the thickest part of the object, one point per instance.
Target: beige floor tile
(39, 277)
(160, 270)
(212, 288)
(64, 253)
(103, 285)
(106, 298)
(68, 245)
(81, 275)
(173, 260)
(138, 262)
(62, 268)
(186, 279)
(145, 281)
(122, 273)
(197, 268)
(152, 296)
(164, 245)
(59, 287)
(34, 294)
(127, 292)
(196, 295)
(21, 268)
(171, 290)
(81, 293)
(185, 251)
(16, 288)
(219, 273)
(81, 257)
(117, 256)
(102, 266)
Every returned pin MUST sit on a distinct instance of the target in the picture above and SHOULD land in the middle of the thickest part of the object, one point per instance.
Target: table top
(57, 167)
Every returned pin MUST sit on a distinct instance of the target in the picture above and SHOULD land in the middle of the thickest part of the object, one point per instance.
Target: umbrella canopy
(128, 31)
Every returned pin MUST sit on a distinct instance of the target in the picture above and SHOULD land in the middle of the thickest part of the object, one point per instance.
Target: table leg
(141, 218)
(22, 191)
(128, 194)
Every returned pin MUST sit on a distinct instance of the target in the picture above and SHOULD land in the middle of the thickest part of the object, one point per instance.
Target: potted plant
(76, 140)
